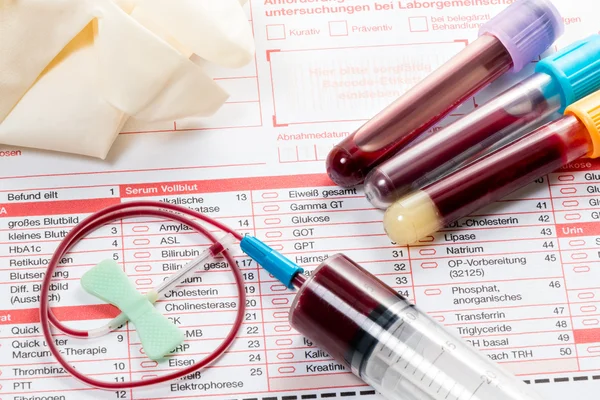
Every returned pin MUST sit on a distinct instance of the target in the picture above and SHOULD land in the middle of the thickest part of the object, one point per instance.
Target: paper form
(520, 280)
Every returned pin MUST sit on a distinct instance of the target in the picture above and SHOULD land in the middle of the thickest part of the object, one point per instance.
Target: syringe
(497, 174)
(560, 80)
(513, 38)
(382, 338)
(363, 324)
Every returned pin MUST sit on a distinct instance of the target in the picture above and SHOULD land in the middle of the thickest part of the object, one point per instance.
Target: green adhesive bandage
(158, 335)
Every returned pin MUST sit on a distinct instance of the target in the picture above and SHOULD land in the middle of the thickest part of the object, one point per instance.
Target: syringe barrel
(333, 304)
(518, 108)
(486, 180)
(386, 341)
(521, 32)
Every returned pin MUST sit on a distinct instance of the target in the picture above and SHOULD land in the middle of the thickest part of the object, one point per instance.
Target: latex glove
(73, 71)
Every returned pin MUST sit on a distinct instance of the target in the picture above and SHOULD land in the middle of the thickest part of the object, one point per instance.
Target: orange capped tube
(496, 175)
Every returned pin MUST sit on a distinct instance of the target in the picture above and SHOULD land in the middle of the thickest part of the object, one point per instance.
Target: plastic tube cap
(526, 28)
(575, 69)
(278, 265)
(588, 112)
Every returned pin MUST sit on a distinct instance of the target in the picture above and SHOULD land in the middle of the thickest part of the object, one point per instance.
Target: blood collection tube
(560, 80)
(497, 174)
(389, 343)
(517, 35)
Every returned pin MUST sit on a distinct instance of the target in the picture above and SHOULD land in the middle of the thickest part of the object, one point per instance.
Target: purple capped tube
(510, 40)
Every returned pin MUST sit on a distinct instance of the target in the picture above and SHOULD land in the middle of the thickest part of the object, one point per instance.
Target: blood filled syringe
(560, 79)
(385, 340)
(513, 38)
(497, 174)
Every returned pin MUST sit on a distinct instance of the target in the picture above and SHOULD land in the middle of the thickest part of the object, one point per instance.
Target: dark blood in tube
(418, 110)
(507, 170)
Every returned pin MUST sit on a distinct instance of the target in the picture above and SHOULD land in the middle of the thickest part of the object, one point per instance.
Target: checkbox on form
(338, 28)
(418, 24)
(276, 32)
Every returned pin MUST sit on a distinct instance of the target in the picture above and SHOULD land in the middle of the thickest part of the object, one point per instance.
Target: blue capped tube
(559, 80)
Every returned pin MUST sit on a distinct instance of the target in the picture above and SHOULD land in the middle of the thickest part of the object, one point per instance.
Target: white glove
(73, 71)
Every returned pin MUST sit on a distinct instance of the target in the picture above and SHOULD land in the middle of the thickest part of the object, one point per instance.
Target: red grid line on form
(127, 325)
(260, 299)
(122, 171)
(563, 270)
